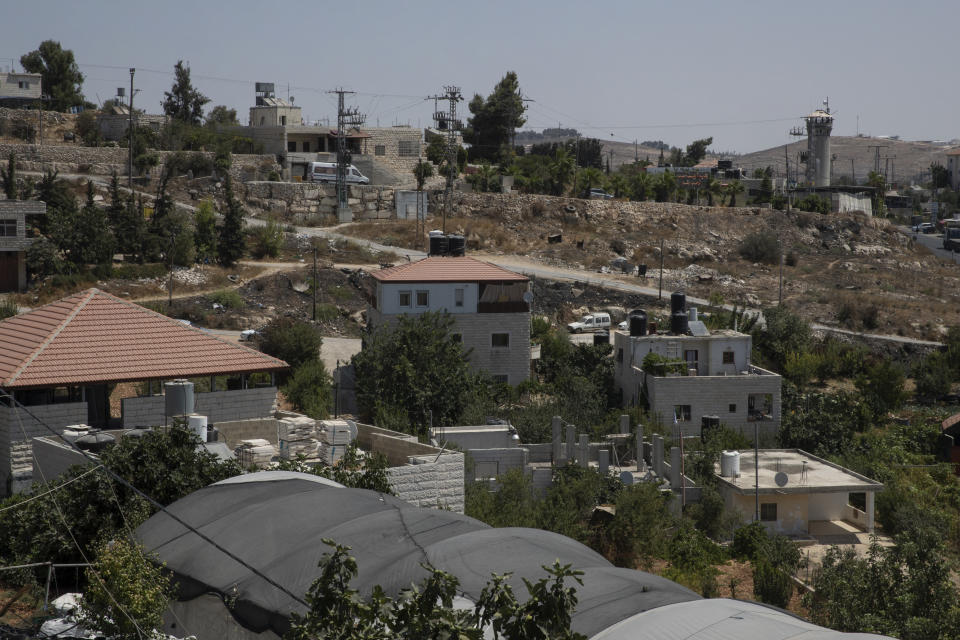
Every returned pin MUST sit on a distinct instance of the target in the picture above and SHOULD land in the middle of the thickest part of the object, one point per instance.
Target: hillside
(845, 270)
(909, 159)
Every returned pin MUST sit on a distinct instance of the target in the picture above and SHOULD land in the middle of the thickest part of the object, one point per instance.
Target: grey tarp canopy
(275, 521)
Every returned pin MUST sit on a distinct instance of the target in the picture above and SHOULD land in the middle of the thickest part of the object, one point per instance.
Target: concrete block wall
(431, 481)
(506, 459)
(18, 428)
(476, 330)
(218, 406)
(390, 139)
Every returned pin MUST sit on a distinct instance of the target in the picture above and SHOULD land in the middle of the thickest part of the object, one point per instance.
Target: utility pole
(886, 168)
(447, 120)
(316, 284)
(876, 159)
(345, 118)
(660, 288)
(853, 173)
(636, 156)
(130, 132)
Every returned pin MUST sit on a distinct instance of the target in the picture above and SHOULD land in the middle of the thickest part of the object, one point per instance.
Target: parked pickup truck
(590, 322)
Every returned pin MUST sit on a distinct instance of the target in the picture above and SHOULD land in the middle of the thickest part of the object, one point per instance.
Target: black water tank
(679, 324)
(678, 302)
(456, 245)
(439, 245)
(638, 323)
(601, 337)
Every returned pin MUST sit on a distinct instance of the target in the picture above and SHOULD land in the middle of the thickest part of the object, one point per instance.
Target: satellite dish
(781, 479)
(527, 297)
(626, 477)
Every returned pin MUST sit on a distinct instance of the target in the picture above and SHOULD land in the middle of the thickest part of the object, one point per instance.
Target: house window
(500, 340)
(406, 149)
(681, 412)
(8, 227)
(458, 297)
(380, 150)
(283, 121)
(501, 378)
(291, 145)
(404, 298)
(423, 298)
(768, 511)
(263, 120)
(733, 408)
(728, 357)
(306, 146)
(486, 470)
(23, 84)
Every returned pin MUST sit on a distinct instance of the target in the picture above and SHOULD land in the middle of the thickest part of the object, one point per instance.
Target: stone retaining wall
(316, 204)
(106, 160)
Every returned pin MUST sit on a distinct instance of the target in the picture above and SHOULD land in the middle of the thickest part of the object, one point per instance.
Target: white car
(590, 322)
(248, 334)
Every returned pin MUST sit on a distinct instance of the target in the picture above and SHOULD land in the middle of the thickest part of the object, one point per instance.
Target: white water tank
(729, 464)
(198, 424)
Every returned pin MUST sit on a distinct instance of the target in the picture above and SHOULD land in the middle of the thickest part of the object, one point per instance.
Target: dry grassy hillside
(842, 269)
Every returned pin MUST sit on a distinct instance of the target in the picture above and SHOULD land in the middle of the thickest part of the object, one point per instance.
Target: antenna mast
(345, 118)
(447, 121)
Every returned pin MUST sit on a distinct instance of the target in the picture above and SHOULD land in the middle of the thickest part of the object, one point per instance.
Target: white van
(590, 322)
(327, 172)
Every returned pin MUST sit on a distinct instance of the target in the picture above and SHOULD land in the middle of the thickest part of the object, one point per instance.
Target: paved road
(932, 241)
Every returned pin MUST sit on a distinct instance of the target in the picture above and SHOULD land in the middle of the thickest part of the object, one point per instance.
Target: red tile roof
(447, 269)
(93, 337)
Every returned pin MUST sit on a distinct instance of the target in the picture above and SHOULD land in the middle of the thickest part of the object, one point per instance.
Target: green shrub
(139, 271)
(933, 375)
(228, 298)
(292, 341)
(8, 309)
(267, 240)
(327, 312)
(748, 541)
(309, 389)
(760, 246)
(771, 585)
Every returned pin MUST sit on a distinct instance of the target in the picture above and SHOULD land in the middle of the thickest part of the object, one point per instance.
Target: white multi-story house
(489, 305)
(702, 375)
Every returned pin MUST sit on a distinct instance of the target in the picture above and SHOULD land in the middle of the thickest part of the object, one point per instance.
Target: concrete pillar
(583, 456)
(603, 461)
(870, 496)
(658, 455)
(571, 437)
(676, 462)
(641, 463)
(555, 427)
(624, 424)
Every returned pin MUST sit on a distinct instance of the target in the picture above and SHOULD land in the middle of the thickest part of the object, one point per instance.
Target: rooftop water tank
(692, 314)
(638, 322)
(678, 302)
(679, 324)
(601, 337)
(95, 441)
(198, 425)
(457, 245)
(74, 431)
(439, 245)
(729, 464)
(179, 398)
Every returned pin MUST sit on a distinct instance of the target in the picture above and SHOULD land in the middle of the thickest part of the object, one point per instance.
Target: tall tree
(183, 102)
(94, 239)
(490, 128)
(221, 115)
(205, 232)
(939, 176)
(61, 78)
(231, 243)
(695, 152)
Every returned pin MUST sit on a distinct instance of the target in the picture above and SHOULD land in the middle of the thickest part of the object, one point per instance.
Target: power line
(160, 507)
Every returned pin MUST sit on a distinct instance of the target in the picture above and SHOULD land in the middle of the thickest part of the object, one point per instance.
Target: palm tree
(714, 188)
(639, 186)
(561, 169)
(618, 183)
(733, 189)
(587, 179)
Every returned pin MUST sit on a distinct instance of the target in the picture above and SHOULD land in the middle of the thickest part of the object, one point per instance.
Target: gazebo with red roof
(61, 360)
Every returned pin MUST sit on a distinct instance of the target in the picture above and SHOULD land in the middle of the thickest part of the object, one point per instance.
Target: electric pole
(886, 168)
(345, 118)
(447, 120)
(130, 131)
(876, 158)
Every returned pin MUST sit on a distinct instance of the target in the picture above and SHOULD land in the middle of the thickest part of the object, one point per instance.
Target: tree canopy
(490, 128)
(183, 102)
(415, 371)
(61, 78)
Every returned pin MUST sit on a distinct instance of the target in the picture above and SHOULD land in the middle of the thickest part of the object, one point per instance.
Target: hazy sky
(676, 71)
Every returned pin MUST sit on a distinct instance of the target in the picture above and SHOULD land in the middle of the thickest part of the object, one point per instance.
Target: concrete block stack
(297, 435)
(255, 453)
(335, 436)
